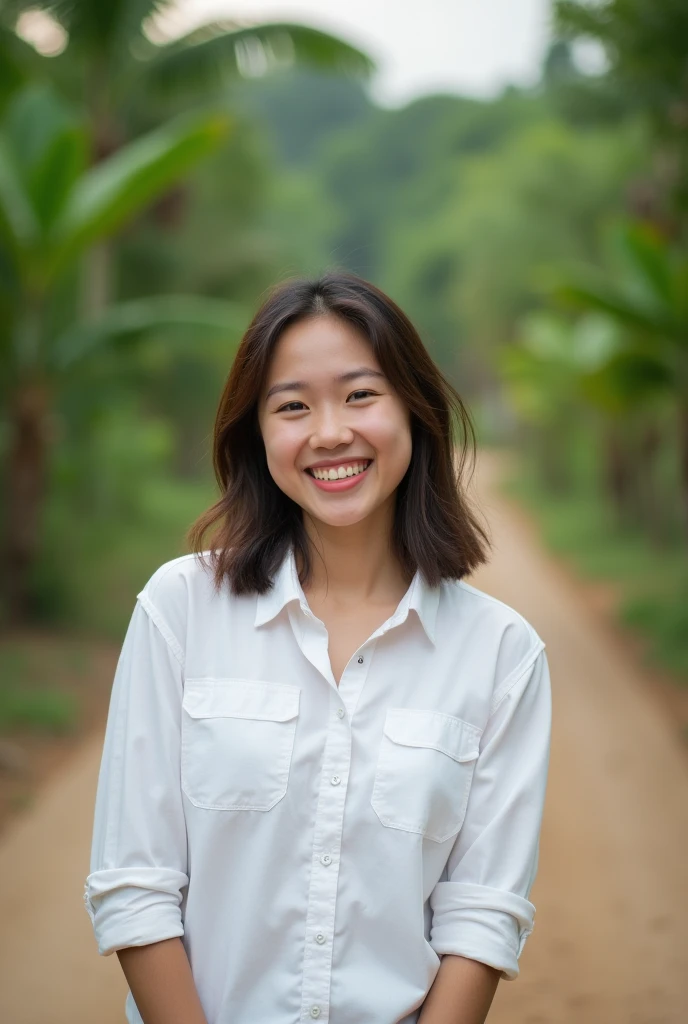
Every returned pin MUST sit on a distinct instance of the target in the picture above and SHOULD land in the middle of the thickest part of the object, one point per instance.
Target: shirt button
(326, 859)
(335, 780)
(315, 1011)
(320, 938)
(340, 712)
(360, 661)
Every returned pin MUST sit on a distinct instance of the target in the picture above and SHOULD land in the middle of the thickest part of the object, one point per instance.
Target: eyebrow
(301, 385)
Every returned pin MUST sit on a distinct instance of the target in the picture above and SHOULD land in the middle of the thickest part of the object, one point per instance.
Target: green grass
(663, 618)
(40, 710)
(34, 682)
(652, 580)
(93, 568)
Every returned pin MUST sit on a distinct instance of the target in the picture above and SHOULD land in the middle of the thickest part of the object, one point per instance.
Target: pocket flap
(240, 698)
(459, 739)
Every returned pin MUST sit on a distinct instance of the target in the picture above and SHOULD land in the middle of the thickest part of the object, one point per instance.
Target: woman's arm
(139, 860)
(461, 993)
(481, 909)
(160, 979)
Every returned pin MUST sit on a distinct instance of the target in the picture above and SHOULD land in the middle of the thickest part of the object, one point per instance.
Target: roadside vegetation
(152, 189)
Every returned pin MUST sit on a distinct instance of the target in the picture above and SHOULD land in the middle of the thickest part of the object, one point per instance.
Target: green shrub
(41, 710)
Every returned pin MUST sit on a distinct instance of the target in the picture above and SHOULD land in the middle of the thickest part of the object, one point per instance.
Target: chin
(343, 519)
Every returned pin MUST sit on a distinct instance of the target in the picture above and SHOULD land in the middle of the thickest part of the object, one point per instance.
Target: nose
(330, 431)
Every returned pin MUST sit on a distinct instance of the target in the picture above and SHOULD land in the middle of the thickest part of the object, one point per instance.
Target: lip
(343, 484)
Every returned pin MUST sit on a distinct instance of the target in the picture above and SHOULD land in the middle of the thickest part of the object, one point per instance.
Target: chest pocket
(237, 740)
(424, 772)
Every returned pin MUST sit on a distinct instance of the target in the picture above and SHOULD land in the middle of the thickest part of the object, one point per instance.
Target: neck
(351, 564)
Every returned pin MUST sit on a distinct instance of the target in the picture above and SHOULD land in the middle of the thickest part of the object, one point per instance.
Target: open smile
(340, 477)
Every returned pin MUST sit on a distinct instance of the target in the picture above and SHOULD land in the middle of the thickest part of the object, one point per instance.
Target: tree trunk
(617, 475)
(683, 455)
(554, 461)
(25, 485)
(96, 280)
(97, 263)
(653, 507)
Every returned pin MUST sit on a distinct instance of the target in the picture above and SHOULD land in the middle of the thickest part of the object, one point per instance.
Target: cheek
(391, 436)
(282, 446)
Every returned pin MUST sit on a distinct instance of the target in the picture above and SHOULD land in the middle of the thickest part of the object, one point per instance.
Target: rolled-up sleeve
(138, 865)
(481, 909)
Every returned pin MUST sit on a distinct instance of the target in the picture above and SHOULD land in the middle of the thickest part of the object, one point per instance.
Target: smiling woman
(290, 406)
(328, 438)
(316, 714)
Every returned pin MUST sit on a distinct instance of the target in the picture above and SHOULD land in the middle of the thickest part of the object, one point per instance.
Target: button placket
(311, 636)
(327, 833)
(322, 895)
(355, 674)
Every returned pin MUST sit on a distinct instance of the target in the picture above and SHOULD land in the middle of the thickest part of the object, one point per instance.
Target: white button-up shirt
(319, 847)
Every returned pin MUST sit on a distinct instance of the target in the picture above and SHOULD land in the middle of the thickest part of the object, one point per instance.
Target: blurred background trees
(539, 240)
(54, 207)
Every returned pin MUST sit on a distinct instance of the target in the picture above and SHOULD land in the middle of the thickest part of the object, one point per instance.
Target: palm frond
(626, 312)
(17, 216)
(116, 189)
(103, 31)
(127, 320)
(19, 63)
(215, 53)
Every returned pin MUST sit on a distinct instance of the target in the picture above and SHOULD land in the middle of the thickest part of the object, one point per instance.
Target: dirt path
(610, 944)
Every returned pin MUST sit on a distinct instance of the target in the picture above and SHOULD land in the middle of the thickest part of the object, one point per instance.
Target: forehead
(321, 346)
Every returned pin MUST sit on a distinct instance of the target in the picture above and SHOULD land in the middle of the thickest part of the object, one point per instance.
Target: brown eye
(287, 407)
(361, 392)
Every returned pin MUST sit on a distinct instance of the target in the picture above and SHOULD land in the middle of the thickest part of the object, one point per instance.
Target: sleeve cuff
(481, 923)
(134, 906)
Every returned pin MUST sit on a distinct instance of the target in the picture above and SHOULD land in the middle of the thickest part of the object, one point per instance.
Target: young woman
(326, 755)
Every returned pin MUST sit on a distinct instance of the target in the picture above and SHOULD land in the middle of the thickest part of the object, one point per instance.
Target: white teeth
(339, 472)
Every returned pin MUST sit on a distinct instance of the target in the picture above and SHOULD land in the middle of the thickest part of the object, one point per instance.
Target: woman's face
(327, 410)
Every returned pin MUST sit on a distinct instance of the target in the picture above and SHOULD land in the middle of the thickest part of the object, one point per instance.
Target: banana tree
(111, 66)
(647, 299)
(560, 367)
(645, 44)
(545, 373)
(110, 61)
(53, 206)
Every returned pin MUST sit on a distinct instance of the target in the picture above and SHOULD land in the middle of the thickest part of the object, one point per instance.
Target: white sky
(421, 46)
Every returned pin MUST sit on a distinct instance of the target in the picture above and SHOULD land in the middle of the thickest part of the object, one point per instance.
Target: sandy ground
(610, 944)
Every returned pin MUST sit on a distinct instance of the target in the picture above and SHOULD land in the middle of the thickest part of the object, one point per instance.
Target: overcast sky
(421, 46)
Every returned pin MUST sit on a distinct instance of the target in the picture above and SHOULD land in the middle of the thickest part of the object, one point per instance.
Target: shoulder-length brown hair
(253, 523)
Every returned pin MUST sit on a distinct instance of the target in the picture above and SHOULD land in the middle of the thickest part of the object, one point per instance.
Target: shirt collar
(419, 597)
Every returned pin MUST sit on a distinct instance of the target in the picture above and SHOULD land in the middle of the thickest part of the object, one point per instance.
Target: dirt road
(610, 944)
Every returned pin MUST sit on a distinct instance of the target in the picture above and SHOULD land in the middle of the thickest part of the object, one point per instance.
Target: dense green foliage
(537, 239)
(72, 176)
